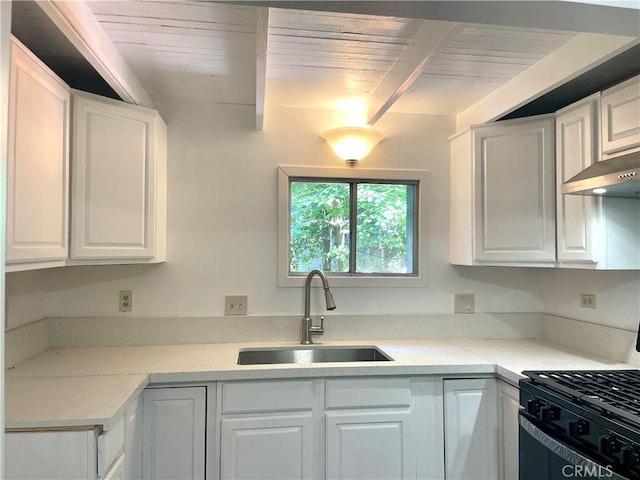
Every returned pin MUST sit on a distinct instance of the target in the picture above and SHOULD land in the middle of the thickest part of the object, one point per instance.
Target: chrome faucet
(308, 328)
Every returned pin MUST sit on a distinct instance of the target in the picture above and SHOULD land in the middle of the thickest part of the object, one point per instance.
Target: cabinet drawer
(267, 396)
(368, 392)
(110, 446)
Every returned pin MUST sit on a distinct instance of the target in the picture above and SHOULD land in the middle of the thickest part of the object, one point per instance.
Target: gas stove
(612, 393)
(594, 415)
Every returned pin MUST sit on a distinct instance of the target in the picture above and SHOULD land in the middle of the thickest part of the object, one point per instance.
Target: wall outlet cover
(235, 305)
(463, 303)
(126, 301)
(587, 301)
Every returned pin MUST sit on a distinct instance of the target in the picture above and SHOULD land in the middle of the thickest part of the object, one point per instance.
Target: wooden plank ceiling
(207, 52)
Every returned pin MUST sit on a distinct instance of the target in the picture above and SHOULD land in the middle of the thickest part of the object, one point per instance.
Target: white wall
(617, 296)
(222, 233)
(222, 226)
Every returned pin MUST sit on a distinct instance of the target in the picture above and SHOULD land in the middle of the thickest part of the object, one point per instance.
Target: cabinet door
(508, 407)
(620, 115)
(51, 455)
(118, 180)
(38, 164)
(267, 447)
(133, 440)
(515, 191)
(370, 445)
(471, 429)
(174, 425)
(117, 471)
(576, 149)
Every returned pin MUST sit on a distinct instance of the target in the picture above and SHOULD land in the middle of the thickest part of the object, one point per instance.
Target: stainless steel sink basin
(261, 356)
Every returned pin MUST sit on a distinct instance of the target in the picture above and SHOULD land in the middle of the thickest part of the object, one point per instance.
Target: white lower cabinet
(133, 439)
(78, 453)
(53, 455)
(423, 427)
(470, 429)
(117, 471)
(338, 428)
(508, 406)
(370, 428)
(263, 447)
(174, 428)
(370, 445)
(270, 429)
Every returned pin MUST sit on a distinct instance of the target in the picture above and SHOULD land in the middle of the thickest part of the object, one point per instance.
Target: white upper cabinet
(502, 194)
(113, 210)
(620, 116)
(576, 149)
(118, 207)
(592, 232)
(38, 164)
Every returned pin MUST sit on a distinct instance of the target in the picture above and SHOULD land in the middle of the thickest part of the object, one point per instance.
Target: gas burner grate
(614, 392)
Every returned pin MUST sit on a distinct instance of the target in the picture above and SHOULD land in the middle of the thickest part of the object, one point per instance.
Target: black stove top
(612, 393)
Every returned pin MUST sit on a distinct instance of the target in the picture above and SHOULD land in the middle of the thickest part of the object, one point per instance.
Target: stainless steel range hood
(616, 177)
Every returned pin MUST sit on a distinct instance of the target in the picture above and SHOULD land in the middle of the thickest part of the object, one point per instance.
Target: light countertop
(90, 386)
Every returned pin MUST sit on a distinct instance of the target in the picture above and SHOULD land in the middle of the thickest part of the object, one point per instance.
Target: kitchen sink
(261, 356)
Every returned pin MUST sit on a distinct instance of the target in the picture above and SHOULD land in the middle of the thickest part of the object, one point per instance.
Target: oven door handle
(563, 451)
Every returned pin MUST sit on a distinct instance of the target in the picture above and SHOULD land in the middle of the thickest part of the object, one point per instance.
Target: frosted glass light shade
(352, 144)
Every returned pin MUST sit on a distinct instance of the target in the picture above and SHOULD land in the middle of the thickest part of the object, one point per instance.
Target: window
(362, 227)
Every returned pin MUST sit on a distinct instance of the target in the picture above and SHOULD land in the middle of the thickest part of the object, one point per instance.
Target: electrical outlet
(126, 300)
(463, 303)
(587, 301)
(235, 305)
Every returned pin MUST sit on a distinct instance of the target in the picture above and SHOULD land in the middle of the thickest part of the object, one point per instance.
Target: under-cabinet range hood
(616, 177)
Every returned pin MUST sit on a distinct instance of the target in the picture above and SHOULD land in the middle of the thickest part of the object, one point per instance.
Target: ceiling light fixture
(352, 144)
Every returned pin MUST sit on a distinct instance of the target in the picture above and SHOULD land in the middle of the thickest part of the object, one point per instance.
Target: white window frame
(285, 279)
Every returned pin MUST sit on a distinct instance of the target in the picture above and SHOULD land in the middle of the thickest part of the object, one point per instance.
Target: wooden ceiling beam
(408, 67)
(262, 44)
(78, 24)
(580, 54)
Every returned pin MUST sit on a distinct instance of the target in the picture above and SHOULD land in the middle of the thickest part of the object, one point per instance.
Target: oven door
(545, 457)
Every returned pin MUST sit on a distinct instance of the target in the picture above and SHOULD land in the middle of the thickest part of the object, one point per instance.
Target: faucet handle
(314, 330)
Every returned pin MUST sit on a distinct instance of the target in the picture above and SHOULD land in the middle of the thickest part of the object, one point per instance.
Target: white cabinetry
(270, 429)
(38, 164)
(114, 210)
(576, 149)
(592, 232)
(620, 114)
(81, 453)
(370, 429)
(339, 428)
(118, 208)
(174, 429)
(61, 455)
(133, 439)
(508, 407)
(471, 429)
(502, 194)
